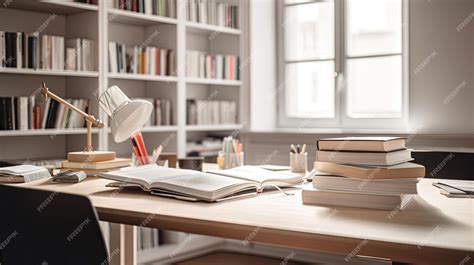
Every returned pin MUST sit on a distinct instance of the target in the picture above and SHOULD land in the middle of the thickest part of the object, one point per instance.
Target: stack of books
(165, 8)
(201, 112)
(141, 60)
(212, 66)
(364, 172)
(95, 167)
(211, 12)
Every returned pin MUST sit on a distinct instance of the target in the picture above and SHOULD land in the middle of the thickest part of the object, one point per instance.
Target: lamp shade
(127, 116)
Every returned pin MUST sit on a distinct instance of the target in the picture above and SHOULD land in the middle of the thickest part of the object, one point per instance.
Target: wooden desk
(432, 230)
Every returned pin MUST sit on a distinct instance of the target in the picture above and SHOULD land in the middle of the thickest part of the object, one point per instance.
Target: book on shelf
(23, 173)
(212, 66)
(164, 8)
(81, 53)
(19, 50)
(199, 186)
(18, 113)
(147, 238)
(89, 2)
(52, 52)
(200, 112)
(141, 60)
(364, 172)
(398, 171)
(162, 114)
(213, 13)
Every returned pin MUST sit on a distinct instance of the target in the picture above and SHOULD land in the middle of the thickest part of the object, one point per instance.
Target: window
(342, 63)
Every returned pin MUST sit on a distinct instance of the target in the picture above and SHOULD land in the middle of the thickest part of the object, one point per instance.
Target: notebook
(456, 188)
(23, 173)
(199, 186)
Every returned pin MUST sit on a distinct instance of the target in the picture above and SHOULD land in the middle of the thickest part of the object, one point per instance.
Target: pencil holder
(230, 160)
(298, 162)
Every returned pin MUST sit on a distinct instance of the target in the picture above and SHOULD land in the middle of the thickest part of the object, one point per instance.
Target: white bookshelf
(103, 24)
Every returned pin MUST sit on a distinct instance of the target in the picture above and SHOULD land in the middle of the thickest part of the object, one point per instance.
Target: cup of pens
(298, 159)
(231, 155)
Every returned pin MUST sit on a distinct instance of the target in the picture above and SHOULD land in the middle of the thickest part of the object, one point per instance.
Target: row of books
(213, 66)
(26, 113)
(31, 51)
(166, 8)
(201, 112)
(162, 116)
(364, 172)
(147, 238)
(80, 54)
(141, 60)
(212, 12)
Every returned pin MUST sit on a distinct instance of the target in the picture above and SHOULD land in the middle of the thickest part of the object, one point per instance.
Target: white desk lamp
(127, 117)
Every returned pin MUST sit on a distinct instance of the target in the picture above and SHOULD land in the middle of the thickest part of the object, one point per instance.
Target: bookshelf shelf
(200, 28)
(47, 132)
(69, 5)
(213, 127)
(220, 82)
(63, 7)
(49, 72)
(140, 19)
(128, 76)
(157, 129)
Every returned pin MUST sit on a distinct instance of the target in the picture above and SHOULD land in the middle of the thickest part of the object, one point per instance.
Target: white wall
(442, 88)
(262, 65)
(448, 57)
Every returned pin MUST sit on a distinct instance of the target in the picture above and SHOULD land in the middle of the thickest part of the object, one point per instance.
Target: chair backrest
(43, 227)
(446, 165)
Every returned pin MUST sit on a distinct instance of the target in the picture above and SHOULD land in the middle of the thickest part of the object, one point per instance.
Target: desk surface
(433, 228)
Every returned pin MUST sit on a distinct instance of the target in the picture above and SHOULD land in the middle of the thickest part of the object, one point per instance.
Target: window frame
(341, 119)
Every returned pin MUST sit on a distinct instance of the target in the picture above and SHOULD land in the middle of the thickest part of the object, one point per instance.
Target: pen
(156, 154)
(298, 149)
(293, 149)
(303, 149)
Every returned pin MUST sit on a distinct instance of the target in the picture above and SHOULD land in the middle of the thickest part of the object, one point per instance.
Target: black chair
(446, 165)
(42, 227)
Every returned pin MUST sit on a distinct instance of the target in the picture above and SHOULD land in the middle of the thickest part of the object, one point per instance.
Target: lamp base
(93, 156)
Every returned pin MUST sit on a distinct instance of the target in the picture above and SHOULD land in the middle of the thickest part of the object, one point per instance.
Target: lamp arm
(90, 118)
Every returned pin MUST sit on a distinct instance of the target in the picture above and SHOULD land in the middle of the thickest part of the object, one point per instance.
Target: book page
(258, 175)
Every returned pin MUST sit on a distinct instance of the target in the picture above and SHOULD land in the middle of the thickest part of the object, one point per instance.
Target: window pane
(309, 89)
(374, 27)
(374, 87)
(309, 31)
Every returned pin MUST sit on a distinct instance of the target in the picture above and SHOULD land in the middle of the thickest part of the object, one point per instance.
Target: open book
(194, 185)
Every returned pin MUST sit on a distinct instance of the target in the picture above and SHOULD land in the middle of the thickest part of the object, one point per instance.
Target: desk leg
(123, 237)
